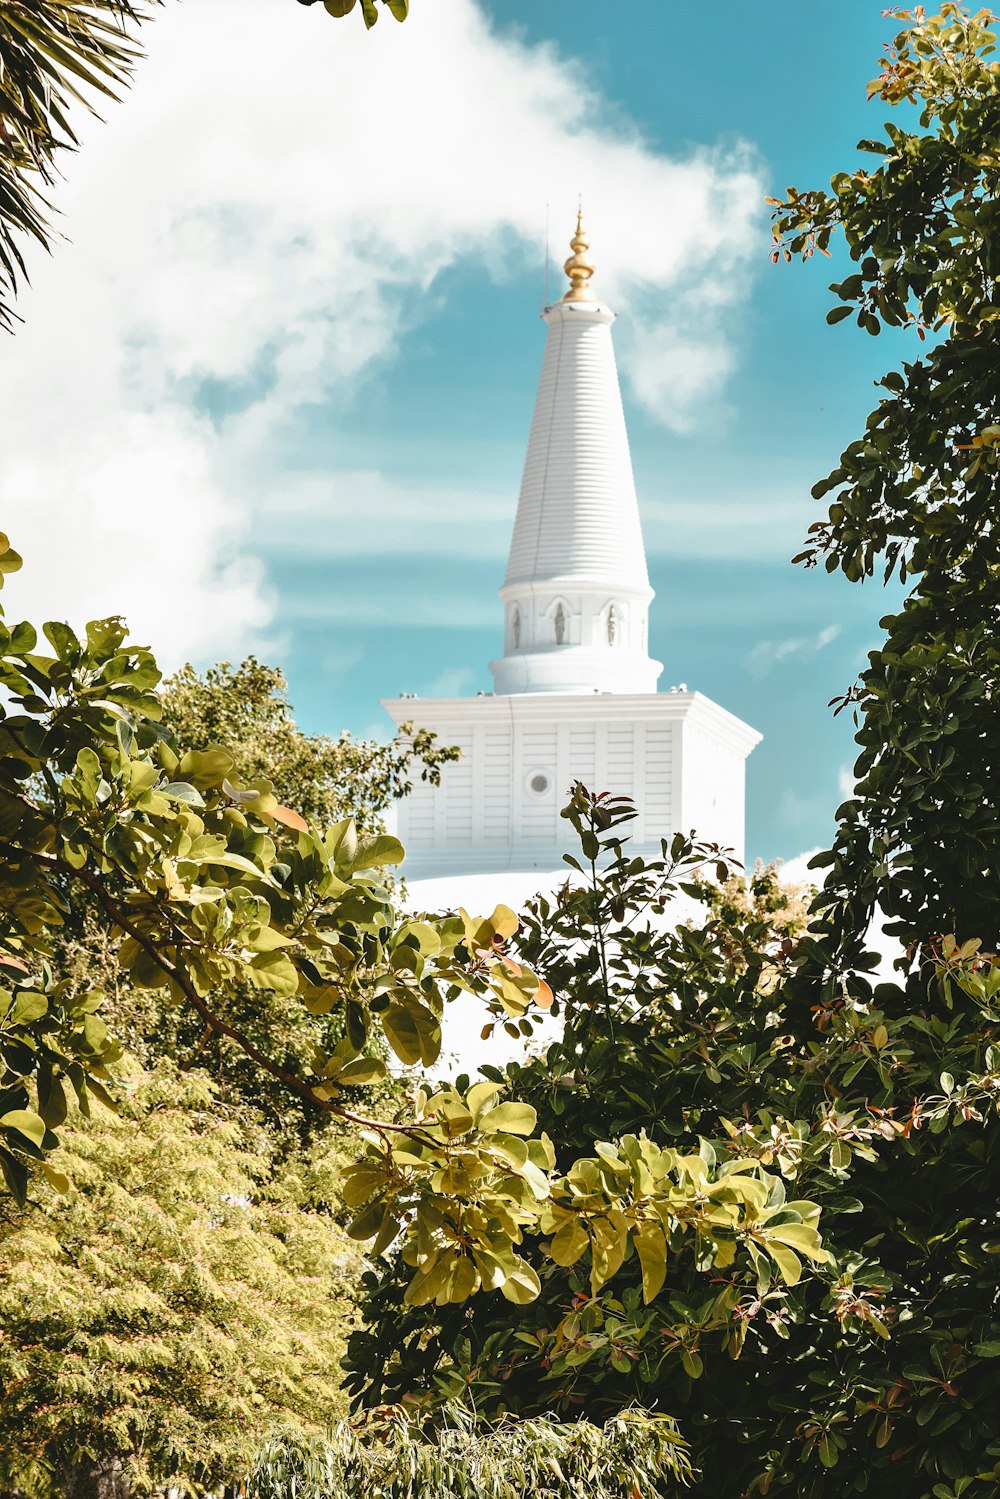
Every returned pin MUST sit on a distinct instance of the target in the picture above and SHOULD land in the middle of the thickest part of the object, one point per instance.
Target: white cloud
(800, 810)
(357, 512)
(766, 655)
(453, 681)
(268, 209)
(703, 524)
(133, 517)
(796, 871)
(408, 603)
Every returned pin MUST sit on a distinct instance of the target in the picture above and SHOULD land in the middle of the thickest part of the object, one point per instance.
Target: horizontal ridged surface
(577, 514)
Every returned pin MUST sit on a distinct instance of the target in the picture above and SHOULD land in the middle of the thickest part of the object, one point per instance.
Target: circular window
(539, 782)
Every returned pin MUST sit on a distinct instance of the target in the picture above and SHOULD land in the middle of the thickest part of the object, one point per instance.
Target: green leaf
(789, 1265)
(364, 1070)
(357, 1027)
(521, 1285)
(799, 1236)
(25, 1122)
(480, 1096)
(274, 971)
(62, 640)
(181, 791)
(205, 768)
(265, 939)
(368, 1222)
(27, 1006)
(58, 1180)
(428, 1281)
(504, 922)
(402, 1034)
(374, 853)
(51, 1099)
(508, 1118)
(651, 1247)
(569, 1243)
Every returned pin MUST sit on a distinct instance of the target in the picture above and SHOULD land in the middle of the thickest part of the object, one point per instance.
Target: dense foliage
(246, 708)
(880, 1368)
(205, 883)
(886, 1352)
(918, 492)
(387, 1458)
(207, 886)
(196, 1280)
(661, 1021)
(176, 1295)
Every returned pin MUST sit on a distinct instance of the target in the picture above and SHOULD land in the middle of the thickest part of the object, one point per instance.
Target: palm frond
(55, 55)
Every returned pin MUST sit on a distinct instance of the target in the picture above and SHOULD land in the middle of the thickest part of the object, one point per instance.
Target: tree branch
(222, 1027)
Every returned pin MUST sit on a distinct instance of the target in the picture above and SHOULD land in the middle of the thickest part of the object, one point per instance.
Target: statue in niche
(560, 626)
(516, 629)
(612, 625)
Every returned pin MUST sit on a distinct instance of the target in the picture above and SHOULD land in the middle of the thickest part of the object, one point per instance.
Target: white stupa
(575, 690)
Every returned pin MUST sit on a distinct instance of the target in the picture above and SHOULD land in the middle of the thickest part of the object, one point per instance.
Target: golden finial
(578, 268)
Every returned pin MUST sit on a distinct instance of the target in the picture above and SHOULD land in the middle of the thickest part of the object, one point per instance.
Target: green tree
(790, 1367)
(389, 1457)
(878, 1100)
(208, 886)
(667, 1029)
(205, 885)
(97, 1428)
(180, 1295)
(246, 708)
(916, 494)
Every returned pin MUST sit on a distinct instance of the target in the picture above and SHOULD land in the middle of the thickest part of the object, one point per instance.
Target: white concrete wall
(679, 756)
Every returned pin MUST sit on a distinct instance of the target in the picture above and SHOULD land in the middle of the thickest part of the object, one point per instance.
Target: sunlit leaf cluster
(208, 884)
(827, 1349)
(369, 10)
(182, 1287)
(389, 1457)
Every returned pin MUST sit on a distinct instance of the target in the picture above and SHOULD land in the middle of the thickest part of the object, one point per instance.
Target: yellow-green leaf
(510, 1119)
(25, 1122)
(521, 1285)
(651, 1247)
(788, 1263)
(569, 1243)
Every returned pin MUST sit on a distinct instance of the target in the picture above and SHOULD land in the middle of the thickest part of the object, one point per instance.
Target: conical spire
(578, 268)
(577, 593)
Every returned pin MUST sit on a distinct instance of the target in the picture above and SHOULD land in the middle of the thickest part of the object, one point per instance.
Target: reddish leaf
(290, 819)
(543, 996)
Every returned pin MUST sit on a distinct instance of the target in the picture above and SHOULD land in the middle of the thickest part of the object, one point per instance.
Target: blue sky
(302, 385)
(789, 79)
